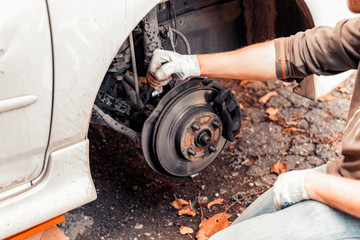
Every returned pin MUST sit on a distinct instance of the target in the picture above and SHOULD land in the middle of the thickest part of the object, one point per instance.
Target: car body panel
(66, 184)
(26, 90)
(87, 35)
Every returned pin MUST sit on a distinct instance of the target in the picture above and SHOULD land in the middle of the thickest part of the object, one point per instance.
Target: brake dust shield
(183, 135)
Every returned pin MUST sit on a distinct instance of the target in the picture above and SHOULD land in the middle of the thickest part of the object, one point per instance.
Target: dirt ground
(134, 201)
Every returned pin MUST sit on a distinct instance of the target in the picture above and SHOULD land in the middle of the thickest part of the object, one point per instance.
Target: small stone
(147, 234)
(202, 187)
(251, 184)
(217, 194)
(170, 224)
(194, 175)
(135, 188)
(223, 191)
(138, 226)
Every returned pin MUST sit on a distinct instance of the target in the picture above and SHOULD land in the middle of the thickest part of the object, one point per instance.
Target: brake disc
(184, 134)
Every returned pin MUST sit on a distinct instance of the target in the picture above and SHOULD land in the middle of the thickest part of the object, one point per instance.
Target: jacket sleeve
(320, 51)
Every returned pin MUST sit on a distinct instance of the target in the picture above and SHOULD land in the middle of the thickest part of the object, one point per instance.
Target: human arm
(256, 62)
(338, 192)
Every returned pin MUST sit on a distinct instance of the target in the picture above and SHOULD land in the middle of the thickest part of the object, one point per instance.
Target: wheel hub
(199, 137)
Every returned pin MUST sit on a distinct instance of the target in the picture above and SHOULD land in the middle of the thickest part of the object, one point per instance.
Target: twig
(201, 207)
(246, 196)
(268, 182)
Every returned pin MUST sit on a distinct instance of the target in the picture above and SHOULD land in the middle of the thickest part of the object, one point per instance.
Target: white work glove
(289, 189)
(167, 64)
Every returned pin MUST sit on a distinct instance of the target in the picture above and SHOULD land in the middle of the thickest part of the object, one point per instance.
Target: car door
(26, 81)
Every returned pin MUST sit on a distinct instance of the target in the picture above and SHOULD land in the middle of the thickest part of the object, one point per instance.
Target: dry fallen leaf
(186, 230)
(292, 129)
(267, 97)
(244, 83)
(298, 115)
(343, 90)
(291, 123)
(187, 211)
(326, 98)
(279, 168)
(248, 162)
(209, 227)
(179, 203)
(286, 84)
(216, 201)
(238, 137)
(272, 113)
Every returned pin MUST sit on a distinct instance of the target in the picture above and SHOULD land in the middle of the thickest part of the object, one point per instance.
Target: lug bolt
(195, 126)
(212, 149)
(191, 152)
(216, 124)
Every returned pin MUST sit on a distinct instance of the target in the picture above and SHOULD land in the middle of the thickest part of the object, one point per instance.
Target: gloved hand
(164, 64)
(289, 189)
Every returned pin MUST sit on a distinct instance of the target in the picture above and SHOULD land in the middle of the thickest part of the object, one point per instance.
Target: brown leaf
(209, 227)
(272, 113)
(292, 129)
(186, 230)
(187, 211)
(179, 203)
(279, 168)
(216, 201)
(264, 99)
(326, 98)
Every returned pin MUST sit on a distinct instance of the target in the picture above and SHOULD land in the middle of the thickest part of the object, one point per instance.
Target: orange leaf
(291, 123)
(272, 113)
(279, 168)
(298, 115)
(179, 203)
(187, 211)
(267, 97)
(343, 90)
(216, 201)
(186, 230)
(238, 137)
(287, 83)
(326, 98)
(209, 227)
(244, 83)
(292, 129)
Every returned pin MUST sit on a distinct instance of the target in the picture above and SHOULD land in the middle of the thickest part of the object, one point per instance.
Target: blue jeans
(304, 220)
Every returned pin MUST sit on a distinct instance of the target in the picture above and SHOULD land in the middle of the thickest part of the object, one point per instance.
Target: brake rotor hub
(189, 127)
(200, 136)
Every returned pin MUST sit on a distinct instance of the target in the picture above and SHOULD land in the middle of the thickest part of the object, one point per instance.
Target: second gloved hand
(289, 189)
(167, 64)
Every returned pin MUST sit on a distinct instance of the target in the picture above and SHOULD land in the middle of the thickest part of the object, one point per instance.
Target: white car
(59, 57)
